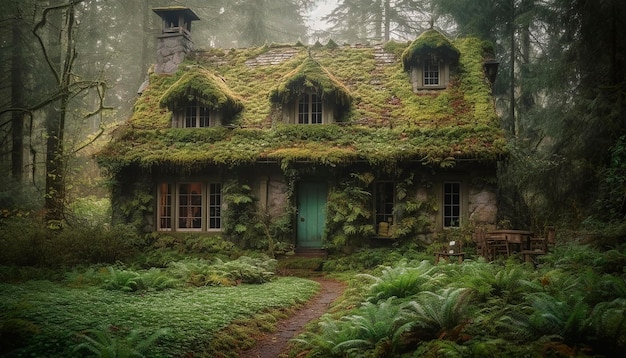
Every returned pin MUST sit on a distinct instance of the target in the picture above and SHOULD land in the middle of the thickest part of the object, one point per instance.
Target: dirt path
(273, 344)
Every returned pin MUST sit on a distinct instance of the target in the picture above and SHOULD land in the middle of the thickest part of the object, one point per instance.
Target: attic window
(309, 109)
(431, 72)
(195, 115)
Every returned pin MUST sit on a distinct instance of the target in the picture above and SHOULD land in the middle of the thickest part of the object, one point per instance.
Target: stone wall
(483, 206)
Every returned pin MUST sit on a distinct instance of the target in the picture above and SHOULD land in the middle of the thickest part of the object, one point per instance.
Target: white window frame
(195, 115)
(309, 109)
(432, 73)
(173, 206)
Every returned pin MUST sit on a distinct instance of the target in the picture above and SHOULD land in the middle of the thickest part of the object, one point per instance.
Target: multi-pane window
(310, 109)
(431, 73)
(165, 206)
(383, 206)
(196, 115)
(451, 205)
(215, 206)
(192, 206)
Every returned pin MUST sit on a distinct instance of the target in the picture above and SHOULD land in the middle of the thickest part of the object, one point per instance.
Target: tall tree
(380, 20)
(59, 20)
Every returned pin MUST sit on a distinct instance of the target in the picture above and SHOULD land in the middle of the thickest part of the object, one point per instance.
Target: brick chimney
(174, 42)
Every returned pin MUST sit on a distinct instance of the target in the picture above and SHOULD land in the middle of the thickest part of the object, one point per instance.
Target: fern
(608, 324)
(123, 280)
(442, 315)
(108, 344)
(403, 280)
(565, 319)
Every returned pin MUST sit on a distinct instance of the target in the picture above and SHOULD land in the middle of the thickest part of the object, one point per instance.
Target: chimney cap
(186, 12)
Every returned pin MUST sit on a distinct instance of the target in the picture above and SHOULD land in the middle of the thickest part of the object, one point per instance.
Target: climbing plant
(349, 211)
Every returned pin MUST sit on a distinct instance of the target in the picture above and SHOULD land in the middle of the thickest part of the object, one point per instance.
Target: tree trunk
(17, 101)
(55, 121)
(513, 121)
(527, 100)
(387, 20)
(378, 20)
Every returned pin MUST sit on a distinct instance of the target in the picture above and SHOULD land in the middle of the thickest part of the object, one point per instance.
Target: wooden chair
(538, 246)
(455, 249)
(497, 245)
(479, 240)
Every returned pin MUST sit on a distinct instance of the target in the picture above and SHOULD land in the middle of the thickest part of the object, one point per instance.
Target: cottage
(316, 146)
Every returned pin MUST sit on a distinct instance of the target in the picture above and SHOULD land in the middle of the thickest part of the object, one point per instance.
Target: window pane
(451, 204)
(190, 206)
(383, 205)
(303, 109)
(165, 207)
(190, 116)
(203, 116)
(215, 206)
(431, 73)
(316, 109)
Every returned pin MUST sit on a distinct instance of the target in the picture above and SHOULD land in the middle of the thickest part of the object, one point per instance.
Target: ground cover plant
(117, 311)
(572, 305)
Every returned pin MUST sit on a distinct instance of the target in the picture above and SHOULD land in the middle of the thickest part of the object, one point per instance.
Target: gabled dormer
(429, 60)
(200, 99)
(311, 95)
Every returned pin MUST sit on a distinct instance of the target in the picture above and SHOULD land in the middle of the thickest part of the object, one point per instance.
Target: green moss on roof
(429, 43)
(322, 144)
(311, 76)
(200, 84)
(386, 121)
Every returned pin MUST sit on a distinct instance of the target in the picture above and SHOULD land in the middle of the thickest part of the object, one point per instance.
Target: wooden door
(311, 215)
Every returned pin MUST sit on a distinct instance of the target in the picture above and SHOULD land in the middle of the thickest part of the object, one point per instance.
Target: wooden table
(507, 241)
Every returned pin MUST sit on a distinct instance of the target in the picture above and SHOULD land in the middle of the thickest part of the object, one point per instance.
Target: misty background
(71, 69)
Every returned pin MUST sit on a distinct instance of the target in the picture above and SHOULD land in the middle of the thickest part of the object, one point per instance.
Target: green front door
(311, 213)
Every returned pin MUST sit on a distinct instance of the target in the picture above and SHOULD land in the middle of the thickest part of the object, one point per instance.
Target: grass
(57, 318)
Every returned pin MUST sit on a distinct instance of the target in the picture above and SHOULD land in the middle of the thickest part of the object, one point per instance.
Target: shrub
(22, 241)
(123, 280)
(402, 280)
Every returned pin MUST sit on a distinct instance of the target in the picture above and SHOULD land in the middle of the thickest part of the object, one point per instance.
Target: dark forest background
(70, 70)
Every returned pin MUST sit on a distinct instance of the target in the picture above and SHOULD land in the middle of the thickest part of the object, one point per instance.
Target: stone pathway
(274, 344)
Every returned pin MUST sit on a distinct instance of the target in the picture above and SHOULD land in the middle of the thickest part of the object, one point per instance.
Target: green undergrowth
(572, 305)
(44, 318)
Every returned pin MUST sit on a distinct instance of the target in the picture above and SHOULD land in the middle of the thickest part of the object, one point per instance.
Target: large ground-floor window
(189, 206)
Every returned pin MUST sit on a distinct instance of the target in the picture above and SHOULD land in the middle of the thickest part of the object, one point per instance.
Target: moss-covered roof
(386, 120)
(431, 43)
(200, 84)
(310, 75)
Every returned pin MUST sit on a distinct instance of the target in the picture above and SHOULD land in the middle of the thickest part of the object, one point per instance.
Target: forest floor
(275, 344)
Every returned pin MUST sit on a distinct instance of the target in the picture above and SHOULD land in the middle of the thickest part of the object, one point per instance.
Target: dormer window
(311, 95)
(429, 60)
(197, 116)
(431, 73)
(199, 99)
(310, 109)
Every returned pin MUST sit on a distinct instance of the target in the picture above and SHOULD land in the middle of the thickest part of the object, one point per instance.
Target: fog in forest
(559, 90)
